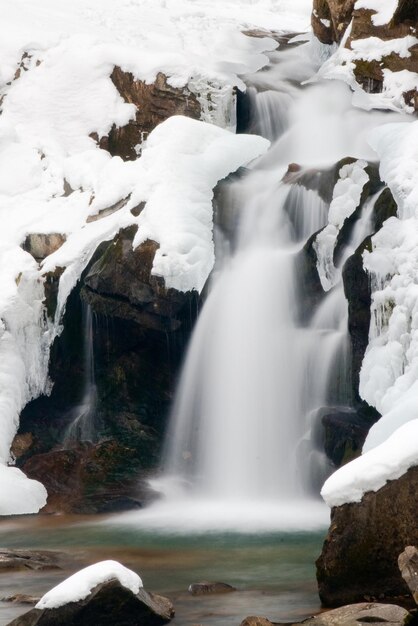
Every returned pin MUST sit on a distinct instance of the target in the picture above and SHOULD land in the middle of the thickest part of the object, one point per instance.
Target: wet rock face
(359, 558)
(120, 285)
(108, 604)
(155, 103)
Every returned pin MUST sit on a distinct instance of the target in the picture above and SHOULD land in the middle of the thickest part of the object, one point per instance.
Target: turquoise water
(274, 573)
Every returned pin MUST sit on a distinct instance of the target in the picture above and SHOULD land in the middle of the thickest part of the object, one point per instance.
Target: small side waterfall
(82, 426)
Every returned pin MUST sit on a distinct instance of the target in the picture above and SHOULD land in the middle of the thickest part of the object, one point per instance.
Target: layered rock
(359, 559)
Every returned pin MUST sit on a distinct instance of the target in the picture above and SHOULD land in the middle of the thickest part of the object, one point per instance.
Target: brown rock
(108, 604)
(360, 554)
(408, 565)
(206, 587)
(155, 103)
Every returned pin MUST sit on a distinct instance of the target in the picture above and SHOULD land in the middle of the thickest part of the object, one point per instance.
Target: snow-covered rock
(79, 585)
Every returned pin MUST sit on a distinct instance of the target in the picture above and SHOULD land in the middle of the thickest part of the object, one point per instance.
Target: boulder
(154, 103)
(408, 565)
(359, 559)
(354, 614)
(205, 587)
(108, 604)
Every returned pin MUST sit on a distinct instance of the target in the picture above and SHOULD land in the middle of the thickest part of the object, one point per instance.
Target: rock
(42, 245)
(256, 621)
(154, 103)
(360, 554)
(21, 444)
(408, 565)
(108, 604)
(21, 598)
(205, 587)
(51, 287)
(120, 284)
(355, 614)
(29, 559)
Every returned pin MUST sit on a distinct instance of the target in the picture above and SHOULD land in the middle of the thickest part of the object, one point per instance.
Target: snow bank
(79, 586)
(346, 198)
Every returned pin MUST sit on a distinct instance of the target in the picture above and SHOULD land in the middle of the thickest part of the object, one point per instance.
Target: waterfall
(243, 447)
(82, 425)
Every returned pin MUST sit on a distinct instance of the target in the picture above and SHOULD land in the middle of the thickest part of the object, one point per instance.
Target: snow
(346, 198)
(79, 585)
(55, 91)
(384, 10)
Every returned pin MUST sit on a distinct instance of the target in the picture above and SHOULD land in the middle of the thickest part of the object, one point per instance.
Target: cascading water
(240, 449)
(82, 426)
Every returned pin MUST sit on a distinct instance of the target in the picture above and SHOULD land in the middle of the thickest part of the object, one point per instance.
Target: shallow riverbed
(273, 573)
